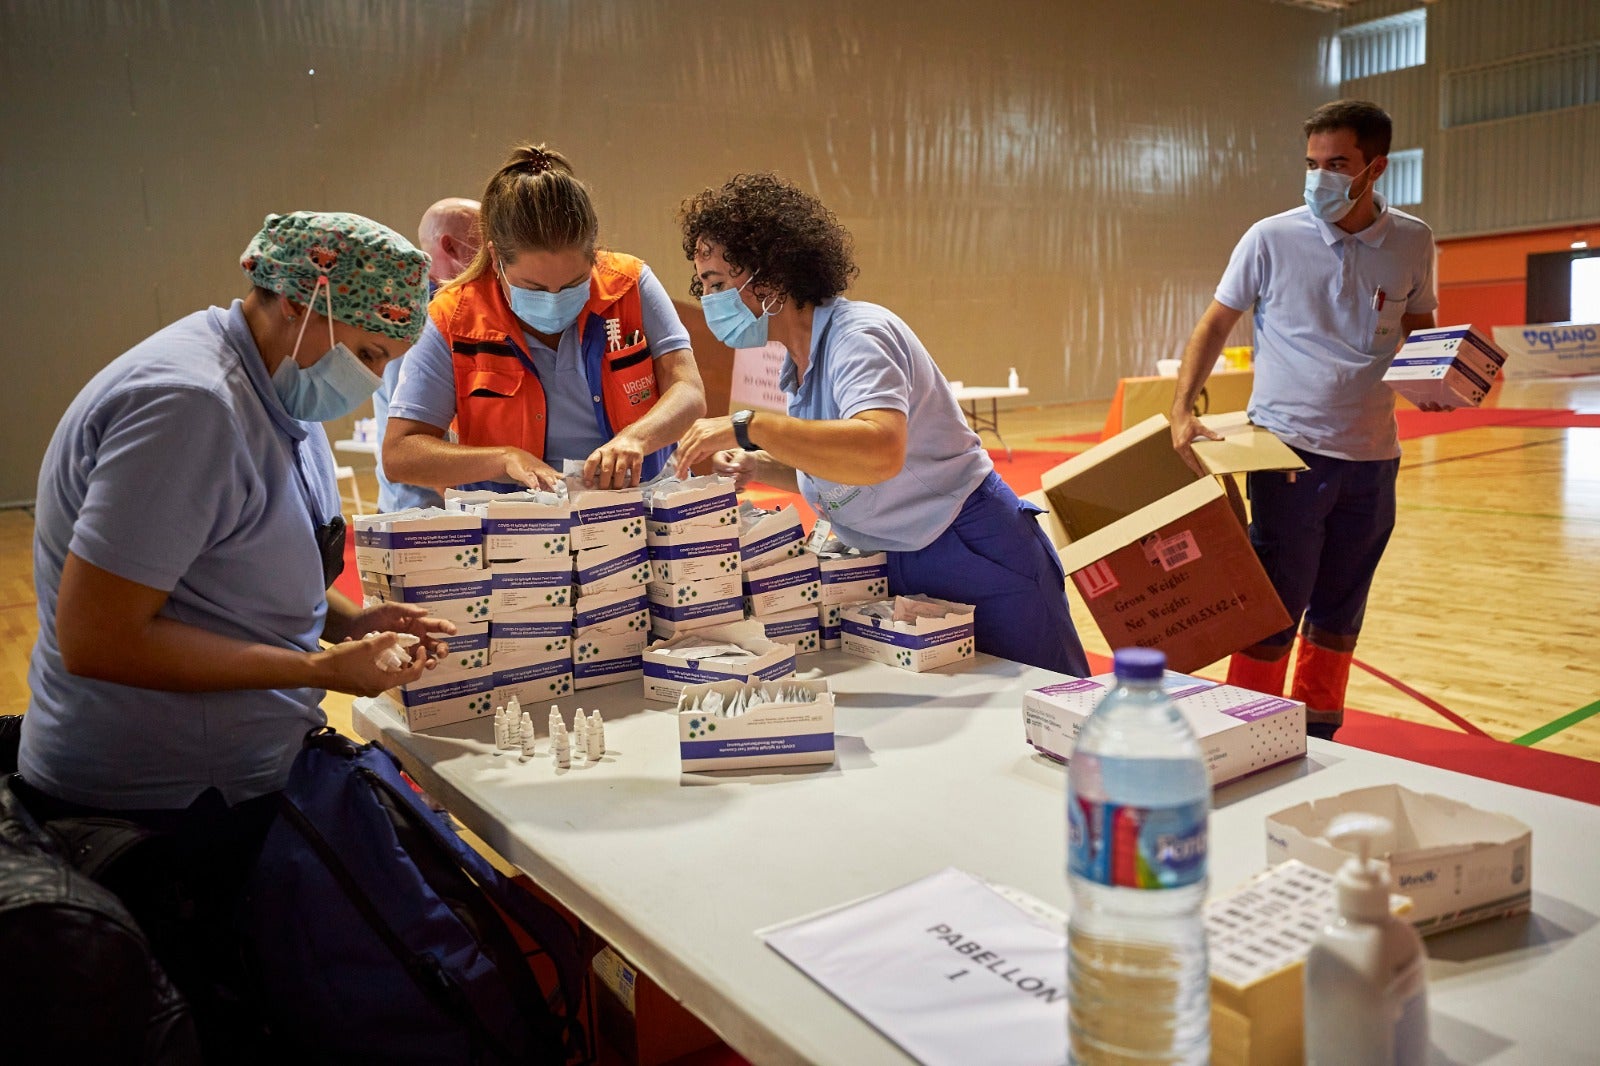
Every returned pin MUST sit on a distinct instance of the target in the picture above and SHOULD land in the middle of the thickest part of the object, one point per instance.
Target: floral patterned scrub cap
(377, 280)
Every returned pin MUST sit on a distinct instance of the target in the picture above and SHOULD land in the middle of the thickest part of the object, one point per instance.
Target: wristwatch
(741, 430)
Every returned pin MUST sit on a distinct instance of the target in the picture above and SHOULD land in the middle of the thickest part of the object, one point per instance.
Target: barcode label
(1169, 553)
(1095, 580)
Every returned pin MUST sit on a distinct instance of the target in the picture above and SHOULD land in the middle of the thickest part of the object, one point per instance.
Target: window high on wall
(1401, 183)
(1381, 45)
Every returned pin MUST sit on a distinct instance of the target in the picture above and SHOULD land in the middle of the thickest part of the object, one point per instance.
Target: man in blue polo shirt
(1337, 285)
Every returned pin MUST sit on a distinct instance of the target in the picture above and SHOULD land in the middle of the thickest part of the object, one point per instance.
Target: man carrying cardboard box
(1336, 285)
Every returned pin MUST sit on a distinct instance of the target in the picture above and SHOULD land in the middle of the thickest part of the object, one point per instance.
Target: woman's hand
(706, 437)
(403, 618)
(737, 464)
(353, 667)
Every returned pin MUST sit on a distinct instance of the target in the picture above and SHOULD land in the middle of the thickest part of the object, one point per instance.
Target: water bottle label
(1136, 847)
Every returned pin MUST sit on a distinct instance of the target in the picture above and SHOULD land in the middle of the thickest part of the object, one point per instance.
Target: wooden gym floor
(1484, 606)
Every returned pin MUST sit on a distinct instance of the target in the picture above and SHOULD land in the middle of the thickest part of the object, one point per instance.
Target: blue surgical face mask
(547, 312)
(331, 387)
(1328, 193)
(731, 322)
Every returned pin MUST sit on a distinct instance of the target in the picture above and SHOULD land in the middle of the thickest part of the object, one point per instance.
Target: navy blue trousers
(996, 557)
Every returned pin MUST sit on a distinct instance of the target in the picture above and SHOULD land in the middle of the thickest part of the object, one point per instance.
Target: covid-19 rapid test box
(519, 525)
(609, 633)
(767, 537)
(678, 608)
(783, 586)
(696, 508)
(605, 518)
(1451, 365)
(792, 727)
(926, 642)
(424, 538)
(738, 651)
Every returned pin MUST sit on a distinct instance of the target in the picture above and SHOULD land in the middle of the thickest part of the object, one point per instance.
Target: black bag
(78, 982)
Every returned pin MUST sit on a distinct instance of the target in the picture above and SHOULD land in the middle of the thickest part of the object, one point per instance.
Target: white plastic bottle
(1366, 977)
(1138, 803)
(1011, 379)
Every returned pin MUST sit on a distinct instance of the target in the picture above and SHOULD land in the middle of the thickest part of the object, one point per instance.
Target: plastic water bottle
(1138, 800)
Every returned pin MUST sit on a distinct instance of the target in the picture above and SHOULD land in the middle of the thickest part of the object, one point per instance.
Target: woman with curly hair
(873, 438)
(545, 349)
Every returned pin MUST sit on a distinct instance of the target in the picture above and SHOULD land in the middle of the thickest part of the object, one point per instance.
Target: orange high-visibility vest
(499, 398)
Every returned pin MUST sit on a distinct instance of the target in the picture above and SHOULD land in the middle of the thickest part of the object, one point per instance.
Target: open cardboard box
(1158, 552)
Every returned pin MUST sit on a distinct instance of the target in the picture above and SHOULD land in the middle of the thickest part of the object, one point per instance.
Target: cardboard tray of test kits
(666, 675)
(1451, 365)
(918, 645)
(1158, 552)
(775, 734)
(769, 537)
(1457, 864)
(1239, 731)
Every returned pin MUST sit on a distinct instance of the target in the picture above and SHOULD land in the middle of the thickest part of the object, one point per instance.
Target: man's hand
(1186, 428)
(616, 464)
(737, 464)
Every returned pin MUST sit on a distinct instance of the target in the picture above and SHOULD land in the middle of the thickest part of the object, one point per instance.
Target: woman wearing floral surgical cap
(187, 533)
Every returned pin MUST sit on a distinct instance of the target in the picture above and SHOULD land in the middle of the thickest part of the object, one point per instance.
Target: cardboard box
(783, 586)
(767, 537)
(423, 538)
(869, 631)
(518, 525)
(639, 1021)
(1158, 552)
(801, 627)
(459, 596)
(604, 518)
(530, 587)
(830, 634)
(675, 508)
(1458, 864)
(676, 563)
(442, 701)
(1240, 731)
(534, 683)
(613, 568)
(851, 577)
(535, 637)
(667, 674)
(608, 636)
(1451, 365)
(694, 604)
(469, 652)
(774, 734)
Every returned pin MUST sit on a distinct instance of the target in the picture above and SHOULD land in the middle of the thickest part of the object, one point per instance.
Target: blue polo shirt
(864, 358)
(178, 468)
(427, 386)
(1321, 346)
(395, 495)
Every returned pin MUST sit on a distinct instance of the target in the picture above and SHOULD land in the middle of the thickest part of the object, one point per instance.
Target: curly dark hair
(771, 226)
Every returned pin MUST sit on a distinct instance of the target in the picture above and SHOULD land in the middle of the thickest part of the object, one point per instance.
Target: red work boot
(1259, 675)
(1320, 677)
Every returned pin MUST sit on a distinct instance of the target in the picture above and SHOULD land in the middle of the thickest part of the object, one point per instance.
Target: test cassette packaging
(927, 642)
(767, 537)
(535, 637)
(737, 651)
(694, 604)
(784, 586)
(1452, 365)
(609, 633)
(423, 538)
(530, 586)
(801, 627)
(603, 518)
(792, 727)
(612, 568)
(519, 525)
(850, 576)
(695, 508)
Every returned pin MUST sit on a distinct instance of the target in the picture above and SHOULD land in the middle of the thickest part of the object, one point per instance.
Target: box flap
(1244, 447)
(1101, 543)
(1115, 478)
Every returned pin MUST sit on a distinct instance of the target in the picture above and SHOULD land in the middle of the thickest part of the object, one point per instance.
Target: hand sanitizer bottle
(1011, 379)
(1366, 984)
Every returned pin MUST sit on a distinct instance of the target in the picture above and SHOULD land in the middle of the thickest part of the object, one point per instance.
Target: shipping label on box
(767, 537)
(531, 638)
(519, 525)
(801, 627)
(529, 587)
(675, 508)
(785, 731)
(615, 568)
(677, 563)
(1240, 731)
(533, 683)
(784, 586)
(735, 652)
(1158, 552)
(424, 538)
(428, 703)
(694, 604)
(851, 577)
(870, 631)
(459, 596)
(605, 518)
(1458, 864)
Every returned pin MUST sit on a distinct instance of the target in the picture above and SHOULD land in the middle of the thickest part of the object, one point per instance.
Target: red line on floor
(1432, 704)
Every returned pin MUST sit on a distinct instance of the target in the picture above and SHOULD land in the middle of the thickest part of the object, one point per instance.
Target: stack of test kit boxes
(692, 528)
(782, 583)
(849, 577)
(435, 558)
(527, 546)
(611, 568)
(915, 633)
(1451, 365)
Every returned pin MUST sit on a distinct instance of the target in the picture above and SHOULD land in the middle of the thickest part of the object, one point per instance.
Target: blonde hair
(532, 203)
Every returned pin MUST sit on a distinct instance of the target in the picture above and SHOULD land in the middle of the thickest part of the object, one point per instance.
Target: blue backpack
(375, 933)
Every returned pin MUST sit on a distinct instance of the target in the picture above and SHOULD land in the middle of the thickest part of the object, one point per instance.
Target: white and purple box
(534, 682)
(460, 596)
(828, 630)
(667, 671)
(529, 586)
(423, 538)
(604, 518)
(679, 561)
(767, 537)
(609, 633)
(1451, 365)
(612, 568)
(801, 627)
(519, 525)
(777, 733)
(534, 637)
(433, 701)
(868, 630)
(680, 509)
(853, 577)
(694, 604)
(469, 652)
(784, 586)
(1240, 731)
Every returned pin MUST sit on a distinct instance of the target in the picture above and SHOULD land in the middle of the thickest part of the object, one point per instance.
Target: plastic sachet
(396, 656)
(911, 608)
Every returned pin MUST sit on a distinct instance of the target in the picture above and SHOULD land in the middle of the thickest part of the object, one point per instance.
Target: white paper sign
(945, 967)
(755, 379)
